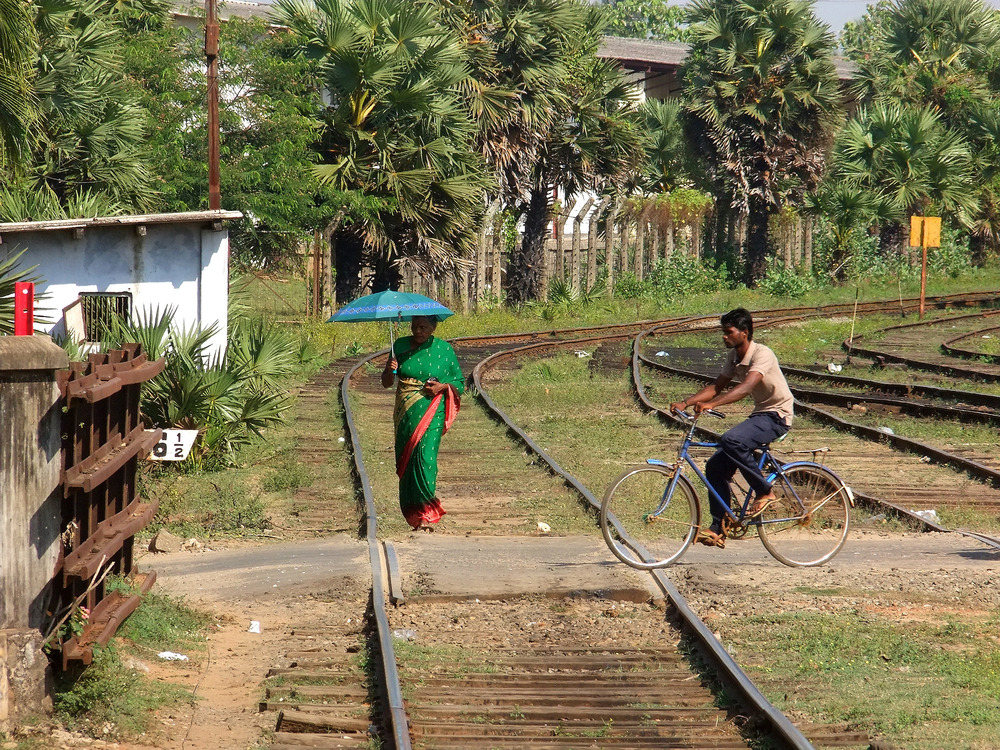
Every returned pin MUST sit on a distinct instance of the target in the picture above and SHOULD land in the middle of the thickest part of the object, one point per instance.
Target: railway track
(930, 346)
(482, 690)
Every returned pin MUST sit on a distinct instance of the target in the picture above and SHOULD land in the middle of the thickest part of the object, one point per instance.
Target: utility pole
(212, 57)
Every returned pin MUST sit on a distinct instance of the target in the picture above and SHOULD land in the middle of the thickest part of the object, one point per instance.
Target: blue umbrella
(391, 307)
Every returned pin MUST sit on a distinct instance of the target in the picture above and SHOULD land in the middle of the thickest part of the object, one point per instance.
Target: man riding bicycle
(755, 369)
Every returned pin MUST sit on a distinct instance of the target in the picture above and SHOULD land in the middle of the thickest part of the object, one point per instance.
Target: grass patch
(207, 505)
(165, 623)
(937, 682)
(288, 476)
(113, 701)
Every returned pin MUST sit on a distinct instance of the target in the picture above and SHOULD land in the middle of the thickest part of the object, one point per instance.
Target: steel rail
(975, 398)
(390, 671)
(780, 724)
(949, 348)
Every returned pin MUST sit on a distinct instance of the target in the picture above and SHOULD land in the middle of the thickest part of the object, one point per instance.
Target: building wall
(179, 265)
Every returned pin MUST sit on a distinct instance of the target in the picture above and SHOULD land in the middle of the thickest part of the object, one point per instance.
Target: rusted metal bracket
(103, 623)
(107, 539)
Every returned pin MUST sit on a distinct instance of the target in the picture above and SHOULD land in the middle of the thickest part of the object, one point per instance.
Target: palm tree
(941, 54)
(91, 129)
(17, 106)
(667, 154)
(908, 162)
(592, 145)
(762, 96)
(549, 113)
(397, 138)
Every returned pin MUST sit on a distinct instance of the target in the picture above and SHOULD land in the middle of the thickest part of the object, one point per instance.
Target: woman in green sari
(427, 401)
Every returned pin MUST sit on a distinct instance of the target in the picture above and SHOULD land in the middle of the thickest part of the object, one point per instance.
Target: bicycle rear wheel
(809, 523)
(629, 516)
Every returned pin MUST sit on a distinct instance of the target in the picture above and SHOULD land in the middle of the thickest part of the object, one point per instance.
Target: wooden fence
(635, 244)
(103, 439)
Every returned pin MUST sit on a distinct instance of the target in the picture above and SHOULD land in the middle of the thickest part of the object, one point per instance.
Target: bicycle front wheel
(809, 523)
(637, 513)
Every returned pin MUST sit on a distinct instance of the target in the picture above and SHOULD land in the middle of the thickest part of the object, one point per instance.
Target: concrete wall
(30, 510)
(179, 265)
(30, 425)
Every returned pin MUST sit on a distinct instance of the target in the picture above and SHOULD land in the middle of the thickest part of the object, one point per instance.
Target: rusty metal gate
(103, 439)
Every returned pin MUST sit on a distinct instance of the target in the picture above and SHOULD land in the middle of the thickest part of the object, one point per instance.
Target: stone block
(25, 676)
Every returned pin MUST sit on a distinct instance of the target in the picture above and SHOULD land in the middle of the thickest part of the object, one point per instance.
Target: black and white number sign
(174, 445)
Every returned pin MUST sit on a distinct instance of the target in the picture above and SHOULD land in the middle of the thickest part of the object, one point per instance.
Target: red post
(24, 308)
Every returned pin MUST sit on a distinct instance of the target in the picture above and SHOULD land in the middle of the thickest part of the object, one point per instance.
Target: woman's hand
(389, 373)
(433, 388)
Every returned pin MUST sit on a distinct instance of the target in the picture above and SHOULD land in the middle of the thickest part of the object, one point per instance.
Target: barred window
(102, 309)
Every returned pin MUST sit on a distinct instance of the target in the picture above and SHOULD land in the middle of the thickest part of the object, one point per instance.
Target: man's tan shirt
(771, 393)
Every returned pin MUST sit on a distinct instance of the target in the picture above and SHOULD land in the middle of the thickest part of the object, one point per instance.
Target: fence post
(30, 513)
(481, 250)
(496, 272)
(797, 251)
(575, 258)
(808, 251)
(560, 226)
(592, 246)
(610, 222)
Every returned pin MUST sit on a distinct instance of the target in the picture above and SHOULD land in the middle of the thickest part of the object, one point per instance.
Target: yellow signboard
(925, 231)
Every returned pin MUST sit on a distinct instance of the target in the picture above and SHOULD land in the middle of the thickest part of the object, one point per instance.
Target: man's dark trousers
(736, 448)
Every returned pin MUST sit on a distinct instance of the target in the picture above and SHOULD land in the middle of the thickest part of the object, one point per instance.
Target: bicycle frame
(683, 457)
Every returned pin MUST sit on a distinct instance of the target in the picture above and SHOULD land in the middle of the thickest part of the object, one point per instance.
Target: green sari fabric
(435, 358)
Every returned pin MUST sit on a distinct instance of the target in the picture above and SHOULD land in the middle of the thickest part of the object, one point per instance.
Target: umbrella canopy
(390, 306)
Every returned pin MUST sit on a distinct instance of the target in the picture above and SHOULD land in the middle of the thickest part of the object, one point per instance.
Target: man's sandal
(760, 506)
(710, 539)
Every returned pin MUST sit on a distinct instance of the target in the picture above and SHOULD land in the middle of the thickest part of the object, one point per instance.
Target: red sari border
(451, 406)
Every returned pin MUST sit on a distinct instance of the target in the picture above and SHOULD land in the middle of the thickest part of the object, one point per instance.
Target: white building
(118, 265)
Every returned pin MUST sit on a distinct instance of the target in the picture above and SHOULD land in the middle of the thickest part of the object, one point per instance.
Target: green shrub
(111, 701)
(229, 397)
(627, 286)
(786, 282)
(680, 276)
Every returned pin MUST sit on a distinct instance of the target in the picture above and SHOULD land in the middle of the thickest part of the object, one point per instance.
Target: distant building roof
(130, 220)
(655, 54)
(227, 9)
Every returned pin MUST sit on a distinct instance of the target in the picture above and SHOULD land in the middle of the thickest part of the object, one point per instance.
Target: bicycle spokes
(808, 523)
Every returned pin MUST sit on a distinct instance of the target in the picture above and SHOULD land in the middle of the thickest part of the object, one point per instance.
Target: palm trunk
(347, 252)
(977, 249)
(524, 274)
(756, 250)
(890, 239)
(387, 275)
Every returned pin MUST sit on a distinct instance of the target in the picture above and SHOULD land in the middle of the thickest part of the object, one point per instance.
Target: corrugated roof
(655, 54)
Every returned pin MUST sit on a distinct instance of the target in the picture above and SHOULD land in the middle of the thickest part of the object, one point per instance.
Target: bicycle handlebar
(694, 417)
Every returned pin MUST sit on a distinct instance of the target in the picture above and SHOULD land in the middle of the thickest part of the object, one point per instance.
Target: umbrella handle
(392, 346)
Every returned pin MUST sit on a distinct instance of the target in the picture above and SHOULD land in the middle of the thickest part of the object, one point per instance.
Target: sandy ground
(319, 582)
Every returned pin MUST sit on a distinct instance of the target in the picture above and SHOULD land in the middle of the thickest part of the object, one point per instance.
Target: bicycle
(650, 514)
